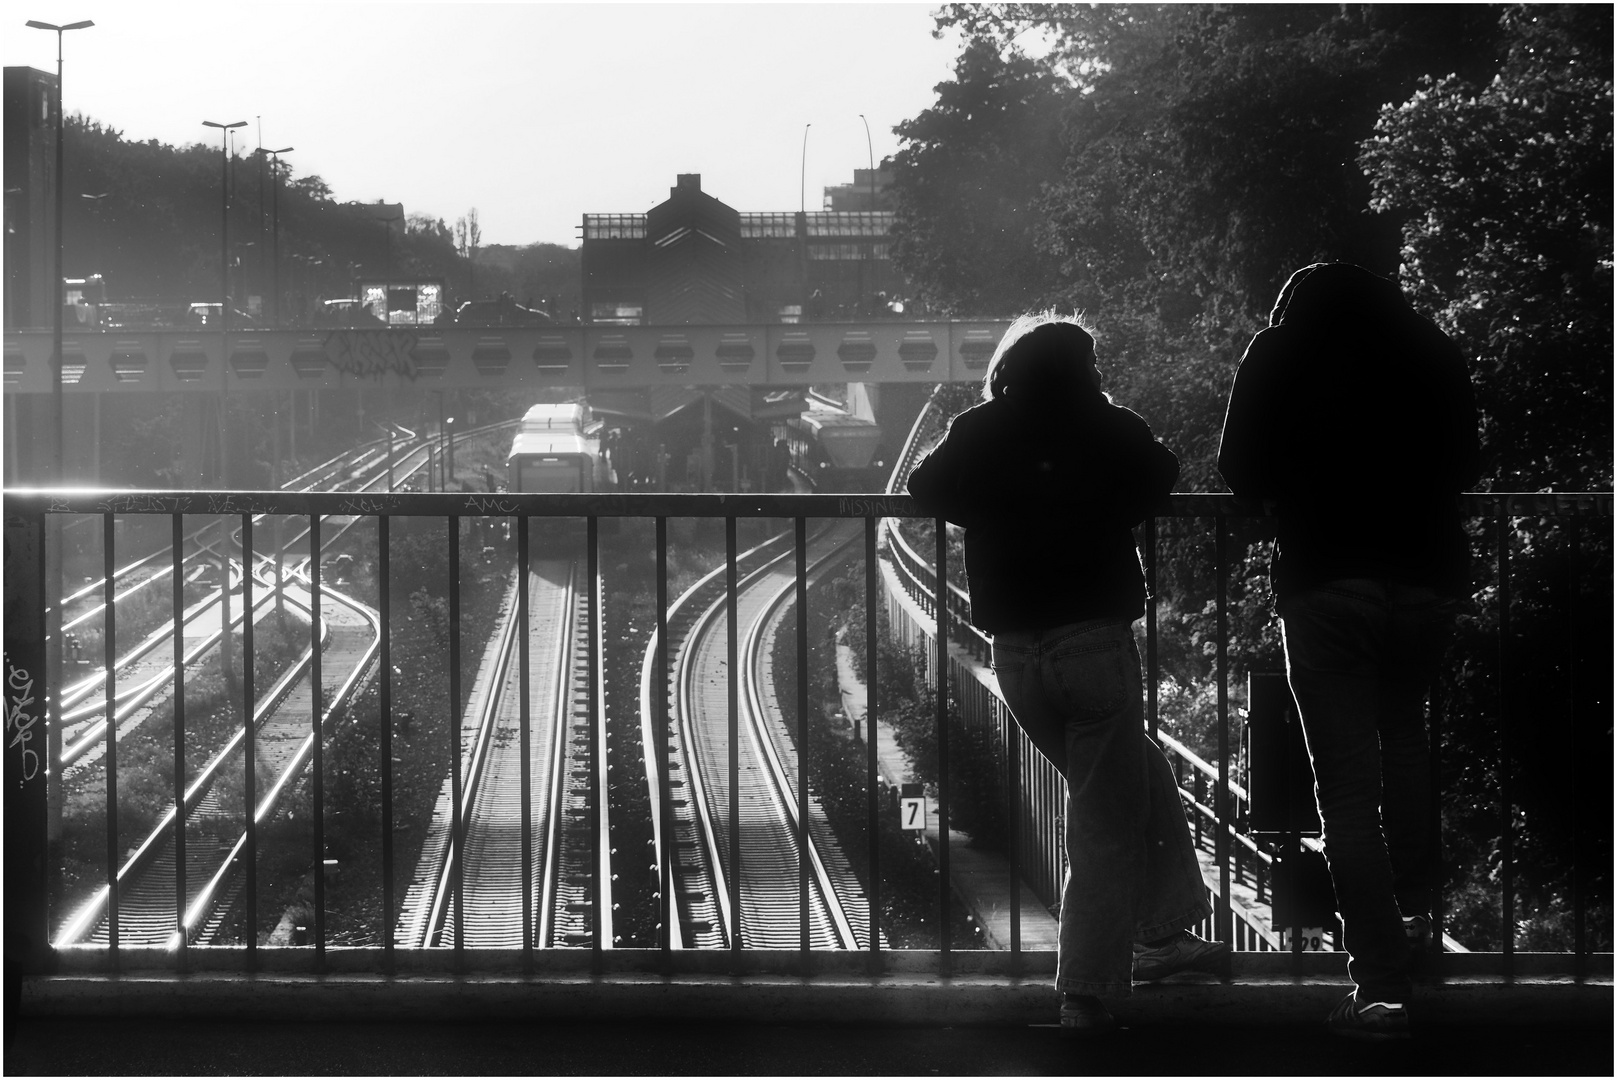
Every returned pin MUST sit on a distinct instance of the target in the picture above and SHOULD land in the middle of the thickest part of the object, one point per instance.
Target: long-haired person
(1049, 478)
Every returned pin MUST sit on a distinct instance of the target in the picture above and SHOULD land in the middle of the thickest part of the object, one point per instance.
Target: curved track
(767, 885)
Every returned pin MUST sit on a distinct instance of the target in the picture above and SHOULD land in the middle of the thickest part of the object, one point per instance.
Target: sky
(533, 113)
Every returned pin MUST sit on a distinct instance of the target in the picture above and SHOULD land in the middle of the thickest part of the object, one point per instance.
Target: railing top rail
(101, 501)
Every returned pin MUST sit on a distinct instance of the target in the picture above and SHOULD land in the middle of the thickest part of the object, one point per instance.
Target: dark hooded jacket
(1048, 490)
(1354, 416)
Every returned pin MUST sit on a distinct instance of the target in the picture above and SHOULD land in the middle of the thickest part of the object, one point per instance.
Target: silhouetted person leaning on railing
(1352, 417)
(1049, 478)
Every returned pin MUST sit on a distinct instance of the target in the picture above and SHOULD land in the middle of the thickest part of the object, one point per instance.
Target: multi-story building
(30, 222)
(695, 260)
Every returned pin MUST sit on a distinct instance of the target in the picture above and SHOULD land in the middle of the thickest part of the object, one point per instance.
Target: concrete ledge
(903, 999)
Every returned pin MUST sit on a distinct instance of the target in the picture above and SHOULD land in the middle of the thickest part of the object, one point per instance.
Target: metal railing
(1217, 802)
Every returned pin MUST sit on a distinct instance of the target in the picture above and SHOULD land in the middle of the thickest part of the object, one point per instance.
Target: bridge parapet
(450, 357)
(1540, 518)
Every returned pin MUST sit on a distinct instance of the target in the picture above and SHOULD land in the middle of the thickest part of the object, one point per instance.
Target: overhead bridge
(594, 357)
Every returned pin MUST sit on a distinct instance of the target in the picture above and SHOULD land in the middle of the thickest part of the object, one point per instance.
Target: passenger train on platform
(552, 451)
(831, 449)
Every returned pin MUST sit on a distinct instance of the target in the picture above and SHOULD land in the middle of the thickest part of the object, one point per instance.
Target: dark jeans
(1132, 873)
(1361, 655)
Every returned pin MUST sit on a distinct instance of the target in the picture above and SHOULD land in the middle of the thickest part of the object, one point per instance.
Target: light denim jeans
(1361, 655)
(1132, 873)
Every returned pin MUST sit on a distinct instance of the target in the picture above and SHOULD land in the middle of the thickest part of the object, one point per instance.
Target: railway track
(149, 883)
(535, 885)
(760, 896)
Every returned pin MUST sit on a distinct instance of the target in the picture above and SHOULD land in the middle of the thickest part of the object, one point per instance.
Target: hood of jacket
(1327, 295)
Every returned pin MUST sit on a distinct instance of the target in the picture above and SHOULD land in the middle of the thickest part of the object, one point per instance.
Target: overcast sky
(533, 113)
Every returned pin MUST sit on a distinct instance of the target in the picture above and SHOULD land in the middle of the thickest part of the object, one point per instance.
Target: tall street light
(53, 537)
(802, 175)
(275, 228)
(870, 252)
(95, 205)
(59, 290)
(224, 280)
(224, 350)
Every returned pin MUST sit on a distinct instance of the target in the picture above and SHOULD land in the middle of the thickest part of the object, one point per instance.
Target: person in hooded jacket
(1048, 478)
(1352, 418)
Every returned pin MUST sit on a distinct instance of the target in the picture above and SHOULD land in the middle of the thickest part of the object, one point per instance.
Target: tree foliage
(156, 233)
(1503, 193)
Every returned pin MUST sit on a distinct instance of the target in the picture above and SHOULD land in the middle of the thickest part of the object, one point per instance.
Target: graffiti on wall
(369, 354)
(21, 718)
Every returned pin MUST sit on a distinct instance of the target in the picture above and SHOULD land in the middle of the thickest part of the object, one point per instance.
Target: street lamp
(275, 227)
(802, 175)
(870, 251)
(95, 247)
(59, 291)
(53, 538)
(224, 280)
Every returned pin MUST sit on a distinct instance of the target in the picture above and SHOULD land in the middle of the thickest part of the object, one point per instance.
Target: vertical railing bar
(524, 744)
(665, 809)
(178, 542)
(872, 757)
(1580, 956)
(733, 880)
(1507, 851)
(109, 651)
(800, 544)
(318, 756)
(1013, 775)
(384, 603)
(248, 735)
(456, 825)
(941, 616)
(1434, 738)
(592, 573)
(1150, 550)
(1221, 840)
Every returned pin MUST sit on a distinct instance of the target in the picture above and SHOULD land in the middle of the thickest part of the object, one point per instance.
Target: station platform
(164, 1024)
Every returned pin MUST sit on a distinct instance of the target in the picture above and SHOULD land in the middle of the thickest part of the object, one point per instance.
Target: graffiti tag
(19, 721)
(234, 504)
(368, 353)
(874, 507)
(479, 505)
(145, 504)
(366, 506)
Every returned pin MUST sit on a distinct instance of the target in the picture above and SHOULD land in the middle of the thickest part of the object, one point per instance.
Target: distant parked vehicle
(504, 311)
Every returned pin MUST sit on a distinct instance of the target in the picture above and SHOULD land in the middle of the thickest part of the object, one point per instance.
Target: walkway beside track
(981, 879)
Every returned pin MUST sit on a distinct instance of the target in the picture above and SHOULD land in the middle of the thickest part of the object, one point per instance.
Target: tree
(1503, 197)
(968, 187)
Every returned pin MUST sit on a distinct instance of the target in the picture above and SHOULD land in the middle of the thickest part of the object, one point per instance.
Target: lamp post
(870, 251)
(224, 350)
(53, 538)
(59, 290)
(802, 175)
(275, 228)
(224, 280)
(95, 245)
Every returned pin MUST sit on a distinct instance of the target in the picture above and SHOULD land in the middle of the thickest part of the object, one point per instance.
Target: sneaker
(1186, 952)
(1377, 1021)
(1083, 1016)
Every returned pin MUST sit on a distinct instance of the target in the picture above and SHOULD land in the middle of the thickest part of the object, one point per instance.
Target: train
(553, 452)
(832, 449)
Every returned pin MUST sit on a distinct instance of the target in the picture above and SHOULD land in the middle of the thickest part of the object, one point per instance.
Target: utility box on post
(1280, 785)
(1280, 781)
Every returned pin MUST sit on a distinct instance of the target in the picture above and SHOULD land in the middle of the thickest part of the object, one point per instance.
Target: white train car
(551, 451)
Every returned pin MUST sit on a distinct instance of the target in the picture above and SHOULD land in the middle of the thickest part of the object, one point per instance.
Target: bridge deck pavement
(164, 1024)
